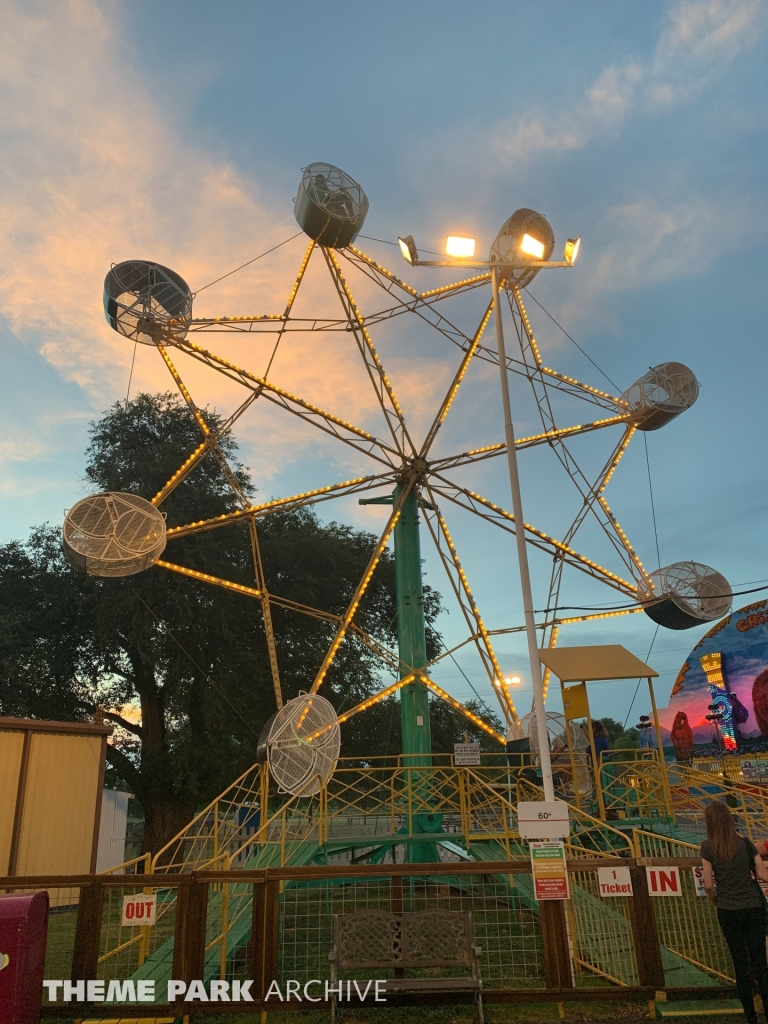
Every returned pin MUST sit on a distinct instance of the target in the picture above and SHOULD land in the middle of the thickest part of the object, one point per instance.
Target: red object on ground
(23, 935)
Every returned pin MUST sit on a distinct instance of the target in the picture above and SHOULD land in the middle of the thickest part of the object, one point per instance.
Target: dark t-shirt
(737, 889)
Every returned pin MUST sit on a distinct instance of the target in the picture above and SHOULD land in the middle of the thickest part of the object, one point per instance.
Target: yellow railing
(693, 790)
(218, 827)
(634, 784)
(386, 801)
(687, 923)
(590, 836)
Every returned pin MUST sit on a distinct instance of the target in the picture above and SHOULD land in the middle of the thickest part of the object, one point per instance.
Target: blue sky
(177, 131)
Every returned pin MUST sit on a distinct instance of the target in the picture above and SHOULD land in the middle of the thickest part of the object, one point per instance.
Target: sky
(176, 132)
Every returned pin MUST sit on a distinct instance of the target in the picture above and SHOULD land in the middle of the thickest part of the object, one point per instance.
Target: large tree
(191, 656)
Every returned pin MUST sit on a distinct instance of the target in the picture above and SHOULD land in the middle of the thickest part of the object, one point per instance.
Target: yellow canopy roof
(608, 661)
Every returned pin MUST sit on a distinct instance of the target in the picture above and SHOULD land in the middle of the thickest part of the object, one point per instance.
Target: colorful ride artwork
(720, 695)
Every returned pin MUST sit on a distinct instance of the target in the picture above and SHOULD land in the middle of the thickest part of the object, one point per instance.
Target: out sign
(664, 881)
(139, 910)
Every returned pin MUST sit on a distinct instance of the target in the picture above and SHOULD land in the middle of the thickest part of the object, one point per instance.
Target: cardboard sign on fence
(139, 909)
(466, 754)
(664, 881)
(698, 880)
(614, 881)
(550, 873)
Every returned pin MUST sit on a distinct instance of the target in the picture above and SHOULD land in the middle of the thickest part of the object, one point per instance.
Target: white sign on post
(614, 881)
(543, 819)
(466, 754)
(698, 880)
(664, 881)
(139, 909)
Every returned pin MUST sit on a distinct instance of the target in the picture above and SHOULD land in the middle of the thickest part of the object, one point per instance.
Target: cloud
(94, 172)
(699, 38)
(91, 175)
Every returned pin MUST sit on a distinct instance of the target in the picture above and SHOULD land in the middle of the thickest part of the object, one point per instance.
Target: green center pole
(411, 638)
(414, 697)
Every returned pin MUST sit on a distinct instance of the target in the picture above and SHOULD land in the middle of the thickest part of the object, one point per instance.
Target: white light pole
(530, 246)
(522, 551)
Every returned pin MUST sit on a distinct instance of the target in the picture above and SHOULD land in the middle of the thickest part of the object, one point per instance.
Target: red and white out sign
(139, 910)
(664, 881)
(614, 881)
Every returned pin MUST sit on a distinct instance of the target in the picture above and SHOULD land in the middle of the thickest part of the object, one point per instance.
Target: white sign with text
(614, 881)
(139, 909)
(543, 819)
(466, 754)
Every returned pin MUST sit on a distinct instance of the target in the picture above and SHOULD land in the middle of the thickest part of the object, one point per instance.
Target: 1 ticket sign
(139, 909)
(550, 872)
(543, 819)
(614, 882)
(466, 754)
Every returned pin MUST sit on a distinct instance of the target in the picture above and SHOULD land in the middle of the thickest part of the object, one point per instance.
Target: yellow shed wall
(60, 805)
(11, 747)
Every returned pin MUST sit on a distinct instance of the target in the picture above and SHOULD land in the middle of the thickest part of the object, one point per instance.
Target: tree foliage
(193, 657)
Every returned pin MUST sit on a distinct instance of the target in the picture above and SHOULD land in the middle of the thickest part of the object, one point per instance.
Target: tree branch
(123, 723)
(125, 766)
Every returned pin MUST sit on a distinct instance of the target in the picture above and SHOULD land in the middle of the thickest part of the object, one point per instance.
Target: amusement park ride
(118, 534)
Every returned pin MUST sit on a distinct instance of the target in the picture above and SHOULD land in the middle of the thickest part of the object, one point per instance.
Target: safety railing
(278, 925)
(634, 785)
(687, 926)
(693, 790)
(590, 836)
(218, 828)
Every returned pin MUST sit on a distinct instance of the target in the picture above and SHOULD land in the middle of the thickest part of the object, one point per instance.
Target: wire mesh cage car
(525, 237)
(661, 394)
(301, 742)
(330, 206)
(113, 534)
(685, 594)
(147, 302)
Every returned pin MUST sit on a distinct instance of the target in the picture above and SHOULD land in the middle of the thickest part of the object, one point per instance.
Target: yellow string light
(206, 578)
(366, 335)
(161, 494)
(277, 390)
(383, 270)
(453, 287)
(476, 613)
(550, 540)
(231, 517)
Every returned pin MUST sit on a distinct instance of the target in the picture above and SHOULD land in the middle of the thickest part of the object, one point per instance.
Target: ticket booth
(577, 666)
(51, 782)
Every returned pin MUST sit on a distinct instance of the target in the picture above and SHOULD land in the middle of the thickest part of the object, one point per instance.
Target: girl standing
(734, 865)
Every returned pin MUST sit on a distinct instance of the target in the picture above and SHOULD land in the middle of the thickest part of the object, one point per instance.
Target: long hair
(721, 830)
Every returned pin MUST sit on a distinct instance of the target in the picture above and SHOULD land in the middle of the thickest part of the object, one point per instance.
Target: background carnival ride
(418, 807)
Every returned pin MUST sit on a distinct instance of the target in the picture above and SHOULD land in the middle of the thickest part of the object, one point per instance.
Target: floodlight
(408, 249)
(532, 247)
(512, 680)
(458, 245)
(571, 249)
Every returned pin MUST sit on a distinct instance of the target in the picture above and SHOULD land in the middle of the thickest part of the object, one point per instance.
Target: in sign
(664, 881)
(139, 909)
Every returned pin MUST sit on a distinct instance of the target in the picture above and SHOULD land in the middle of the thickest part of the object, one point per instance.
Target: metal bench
(377, 939)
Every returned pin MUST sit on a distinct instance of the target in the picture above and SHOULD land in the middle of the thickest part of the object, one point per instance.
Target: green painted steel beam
(412, 645)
